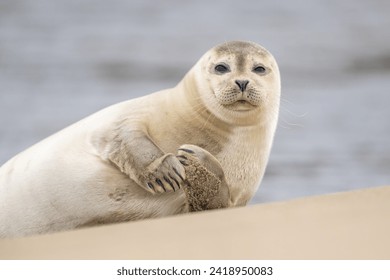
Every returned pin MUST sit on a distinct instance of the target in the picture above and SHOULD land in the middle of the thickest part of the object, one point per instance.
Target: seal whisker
(292, 113)
(285, 111)
(291, 124)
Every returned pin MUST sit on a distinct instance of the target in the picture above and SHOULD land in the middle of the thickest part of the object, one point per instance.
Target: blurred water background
(63, 60)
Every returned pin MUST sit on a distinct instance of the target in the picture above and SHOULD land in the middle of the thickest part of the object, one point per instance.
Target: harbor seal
(121, 163)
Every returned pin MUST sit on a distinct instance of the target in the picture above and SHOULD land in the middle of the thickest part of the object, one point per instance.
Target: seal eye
(259, 69)
(220, 68)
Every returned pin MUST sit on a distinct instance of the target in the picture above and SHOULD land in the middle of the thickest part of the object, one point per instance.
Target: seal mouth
(241, 105)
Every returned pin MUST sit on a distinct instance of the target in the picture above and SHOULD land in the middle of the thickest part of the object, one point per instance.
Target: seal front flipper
(135, 154)
(205, 186)
(164, 174)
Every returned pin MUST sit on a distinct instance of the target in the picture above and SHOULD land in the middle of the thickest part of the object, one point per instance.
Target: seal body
(120, 164)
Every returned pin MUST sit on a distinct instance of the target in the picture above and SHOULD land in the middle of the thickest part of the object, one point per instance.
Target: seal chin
(241, 106)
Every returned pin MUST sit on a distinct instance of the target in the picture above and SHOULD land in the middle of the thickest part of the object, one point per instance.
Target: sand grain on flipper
(202, 187)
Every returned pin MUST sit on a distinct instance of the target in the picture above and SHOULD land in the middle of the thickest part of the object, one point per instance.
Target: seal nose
(242, 84)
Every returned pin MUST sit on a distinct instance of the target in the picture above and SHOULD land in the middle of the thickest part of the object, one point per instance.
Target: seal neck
(191, 105)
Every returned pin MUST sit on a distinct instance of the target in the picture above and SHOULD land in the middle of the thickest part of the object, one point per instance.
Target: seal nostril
(242, 84)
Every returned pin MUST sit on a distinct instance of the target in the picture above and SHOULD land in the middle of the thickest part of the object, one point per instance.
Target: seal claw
(158, 181)
(186, 150)
(178, 174)
(183, 157)
(173, 178)
(151, 186)
(170, 183)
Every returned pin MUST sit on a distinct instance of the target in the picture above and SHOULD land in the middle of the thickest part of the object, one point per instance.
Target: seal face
(243, 78)
(124, 162)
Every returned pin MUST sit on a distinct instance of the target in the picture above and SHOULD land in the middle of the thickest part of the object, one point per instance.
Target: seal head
(242, 83)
